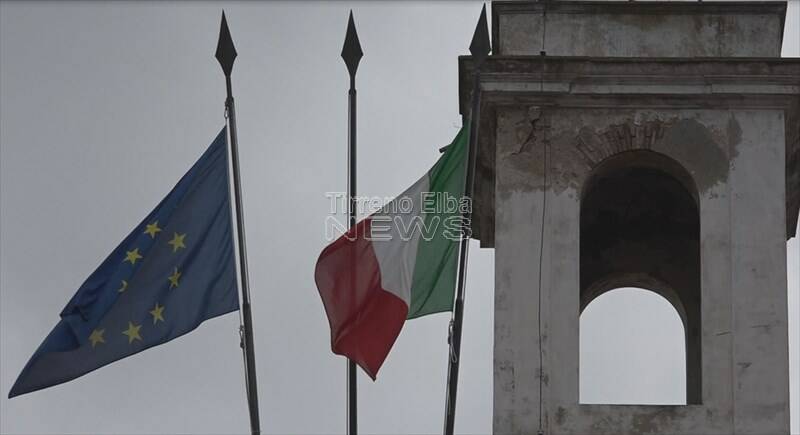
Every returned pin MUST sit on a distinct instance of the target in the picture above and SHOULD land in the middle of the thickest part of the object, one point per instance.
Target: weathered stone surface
(678, 175)
(739, 329)
(598, 83)
(641, 29)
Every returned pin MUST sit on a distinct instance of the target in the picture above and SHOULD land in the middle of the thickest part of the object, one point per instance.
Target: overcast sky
(103, 106)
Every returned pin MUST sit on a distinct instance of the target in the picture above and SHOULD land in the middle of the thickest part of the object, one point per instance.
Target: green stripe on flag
(433, 285)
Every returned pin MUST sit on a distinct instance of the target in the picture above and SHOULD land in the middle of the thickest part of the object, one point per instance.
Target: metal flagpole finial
(481, 46)
(226, 52)
(351, 52)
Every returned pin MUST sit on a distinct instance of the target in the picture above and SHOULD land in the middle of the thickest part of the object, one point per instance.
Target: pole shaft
(352, 372)
(454, 355)
(247, 315)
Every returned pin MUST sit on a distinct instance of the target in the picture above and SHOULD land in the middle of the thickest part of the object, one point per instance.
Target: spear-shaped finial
(480, 46)
(226, 52)
(351, 52)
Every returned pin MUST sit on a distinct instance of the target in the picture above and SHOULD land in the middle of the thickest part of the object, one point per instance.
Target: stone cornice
(664, 76)
(679, 83)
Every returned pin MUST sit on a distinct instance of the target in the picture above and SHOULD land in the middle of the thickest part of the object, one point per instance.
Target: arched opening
(632, 350)
(640, 227)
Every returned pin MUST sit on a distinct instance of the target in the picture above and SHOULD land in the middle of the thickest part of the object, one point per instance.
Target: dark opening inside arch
(640, 227)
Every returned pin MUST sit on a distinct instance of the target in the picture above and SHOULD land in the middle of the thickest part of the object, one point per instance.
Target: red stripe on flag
(365, 319)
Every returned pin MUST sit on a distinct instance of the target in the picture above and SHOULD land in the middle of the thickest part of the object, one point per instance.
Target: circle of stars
(133, 332)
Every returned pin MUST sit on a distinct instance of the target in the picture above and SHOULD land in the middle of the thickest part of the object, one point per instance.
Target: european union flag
(175, 270)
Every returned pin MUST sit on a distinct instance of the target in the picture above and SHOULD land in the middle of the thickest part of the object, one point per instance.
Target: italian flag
(399, 263)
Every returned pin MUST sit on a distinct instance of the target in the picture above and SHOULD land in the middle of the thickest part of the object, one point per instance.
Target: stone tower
(645, 144)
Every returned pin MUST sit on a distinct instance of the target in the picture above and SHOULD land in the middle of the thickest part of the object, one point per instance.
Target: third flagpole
(351, 54)
(479, 48)
(226, 54)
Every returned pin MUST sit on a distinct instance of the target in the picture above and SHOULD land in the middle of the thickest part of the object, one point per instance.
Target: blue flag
(172, 272)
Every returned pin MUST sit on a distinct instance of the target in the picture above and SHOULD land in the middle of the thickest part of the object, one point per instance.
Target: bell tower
(646, 144)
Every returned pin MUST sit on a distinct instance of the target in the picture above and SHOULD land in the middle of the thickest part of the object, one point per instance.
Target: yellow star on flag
(173, 279)
(132, 256)
(97, 337)
(124, 286)
(152, 229)
(132, 332)
(158, 313)
(177, 242)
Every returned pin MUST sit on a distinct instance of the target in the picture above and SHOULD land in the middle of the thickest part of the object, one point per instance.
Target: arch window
(640, 227)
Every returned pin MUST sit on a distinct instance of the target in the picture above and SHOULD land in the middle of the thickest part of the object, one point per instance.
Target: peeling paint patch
(688, 140)
(561, 416)
(656, 423)
(766, 327)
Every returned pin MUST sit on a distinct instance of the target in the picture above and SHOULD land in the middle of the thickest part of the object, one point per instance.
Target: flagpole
(479, 48)
(351, 54)
(226, 54)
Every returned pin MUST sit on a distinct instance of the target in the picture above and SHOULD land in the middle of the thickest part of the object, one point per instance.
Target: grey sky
(103, 106)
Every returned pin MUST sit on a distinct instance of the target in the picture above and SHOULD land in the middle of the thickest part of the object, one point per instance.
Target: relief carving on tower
(573, 145)
(595, 147)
